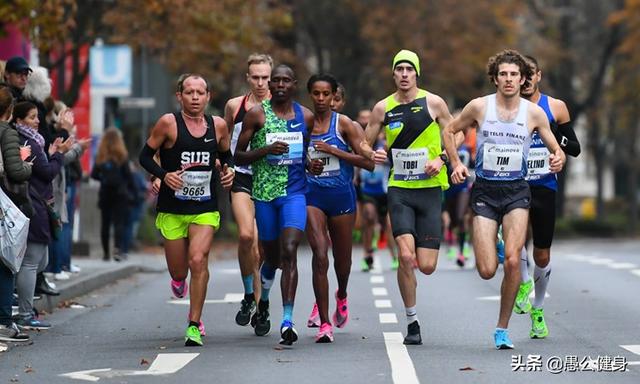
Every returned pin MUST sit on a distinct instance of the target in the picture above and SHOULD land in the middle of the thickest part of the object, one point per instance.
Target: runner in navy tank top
(331, 202)
(500, 195)
(258, 73)
(542, 214)
(189, 143)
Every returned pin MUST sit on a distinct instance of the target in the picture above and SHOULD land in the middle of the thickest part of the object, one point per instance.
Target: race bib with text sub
(504, 159)
(294, 156)
(408, 164)
(330, 162)
(196, 185)
(538, 163)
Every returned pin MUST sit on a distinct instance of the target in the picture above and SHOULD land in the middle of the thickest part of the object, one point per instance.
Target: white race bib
(408, 164)
(502, 157)
(331, 163)
(538, 163)
(294, 156)
(196, 185)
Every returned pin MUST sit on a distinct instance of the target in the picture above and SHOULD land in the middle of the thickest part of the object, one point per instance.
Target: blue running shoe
(501, 336)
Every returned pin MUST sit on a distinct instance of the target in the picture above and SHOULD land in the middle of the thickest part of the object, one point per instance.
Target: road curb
(84, 284)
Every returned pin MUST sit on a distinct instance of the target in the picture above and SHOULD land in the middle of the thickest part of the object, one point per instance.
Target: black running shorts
(242, 182)
(380, 202)
(542, 216)
(494, 199)
(416, 212)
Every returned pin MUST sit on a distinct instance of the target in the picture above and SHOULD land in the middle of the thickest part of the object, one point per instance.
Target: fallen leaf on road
(283, 361)
(278, 348)
(28, 370)
(466, 369)
(144, 362)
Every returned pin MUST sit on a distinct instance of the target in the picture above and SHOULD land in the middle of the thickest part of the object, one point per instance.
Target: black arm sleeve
(226, 158)
(149, 164)
(567, 139)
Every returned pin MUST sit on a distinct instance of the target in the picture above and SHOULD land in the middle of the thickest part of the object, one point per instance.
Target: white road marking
(379, 291)
(388, 318)
(579, 257)
(383, 303)
(378, 279)
(164, 364)
(402, 369)
(622, 266)
(634, 349)
(497, 298)
(376, 268)
(636, 272)
(228, 298)
(228, 271)
(598, 261)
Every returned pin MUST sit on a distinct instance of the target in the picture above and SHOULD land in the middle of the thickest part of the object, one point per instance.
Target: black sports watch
(444, 158)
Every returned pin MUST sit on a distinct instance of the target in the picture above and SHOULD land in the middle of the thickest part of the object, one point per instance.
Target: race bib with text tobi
(503, 159)
(294, 156)
(408, 164)
(331, 163)
(196, 185)
(537, 163)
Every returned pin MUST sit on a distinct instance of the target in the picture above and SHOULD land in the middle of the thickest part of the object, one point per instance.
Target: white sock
(540, 279)
(524, 265)
(412, 315)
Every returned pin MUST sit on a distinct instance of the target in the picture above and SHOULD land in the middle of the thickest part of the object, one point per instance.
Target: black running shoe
(263, 323)
(413, 334)
(247, 309)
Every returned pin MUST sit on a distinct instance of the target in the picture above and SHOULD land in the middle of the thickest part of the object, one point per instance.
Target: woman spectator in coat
(16, 173)
(44, 170)
(116, 183)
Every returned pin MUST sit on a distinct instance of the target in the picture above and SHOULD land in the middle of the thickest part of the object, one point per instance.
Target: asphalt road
(132, 331)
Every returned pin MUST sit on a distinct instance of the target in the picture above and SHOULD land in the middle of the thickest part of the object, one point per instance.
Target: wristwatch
(444, 158)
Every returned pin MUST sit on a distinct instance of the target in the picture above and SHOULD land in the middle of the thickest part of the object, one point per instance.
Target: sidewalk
(96, 273)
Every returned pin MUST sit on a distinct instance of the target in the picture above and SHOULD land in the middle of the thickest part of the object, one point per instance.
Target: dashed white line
(378, 279)
(379, 291)
(636, 272)
(622, 266)
(228, 298)
(402, 369)
(388, 318)
(383, 303)
(599, 261)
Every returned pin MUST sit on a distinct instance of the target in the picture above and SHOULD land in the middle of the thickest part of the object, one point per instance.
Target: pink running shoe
(341, 315)
(314, 317)
(179, 288)
(325, 334)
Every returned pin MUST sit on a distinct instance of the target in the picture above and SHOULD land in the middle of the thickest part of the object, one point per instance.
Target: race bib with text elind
(294, 156)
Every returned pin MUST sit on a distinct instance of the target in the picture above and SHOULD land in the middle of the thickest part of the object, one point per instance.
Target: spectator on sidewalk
(15, 170)
(116, 183)
(45, 169)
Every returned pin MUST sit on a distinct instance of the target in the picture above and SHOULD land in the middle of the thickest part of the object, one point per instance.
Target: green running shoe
(395, 264)
(539, 328)
(192, 337)
(451, 253)
(523, 304)
(366, 264)
(466, 250)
